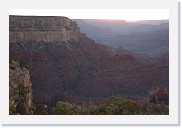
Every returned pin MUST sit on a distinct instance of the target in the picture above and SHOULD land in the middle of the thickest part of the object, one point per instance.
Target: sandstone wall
(47, 29)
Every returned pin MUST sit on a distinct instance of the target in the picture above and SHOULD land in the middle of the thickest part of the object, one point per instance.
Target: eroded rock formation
(46, 29)
(20, 88)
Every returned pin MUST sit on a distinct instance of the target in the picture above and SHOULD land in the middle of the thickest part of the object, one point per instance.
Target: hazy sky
(125, 14)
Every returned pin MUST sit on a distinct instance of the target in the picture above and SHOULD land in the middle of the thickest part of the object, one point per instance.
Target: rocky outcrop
(37, 29)
(20, 88)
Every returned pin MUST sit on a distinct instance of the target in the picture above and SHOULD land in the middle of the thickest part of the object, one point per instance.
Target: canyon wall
(46, 29)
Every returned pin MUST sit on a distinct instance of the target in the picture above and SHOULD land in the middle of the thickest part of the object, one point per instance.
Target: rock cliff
(20, 88)
(46, 29)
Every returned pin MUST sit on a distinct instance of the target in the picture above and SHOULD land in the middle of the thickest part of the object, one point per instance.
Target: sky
(118, 14)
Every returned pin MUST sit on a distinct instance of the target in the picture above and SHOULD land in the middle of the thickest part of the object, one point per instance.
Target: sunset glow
(130, 15)
(132, 21)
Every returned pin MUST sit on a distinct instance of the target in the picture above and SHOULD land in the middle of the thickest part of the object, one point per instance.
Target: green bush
(119, 106)
(63, 108)
(12, 108)
(93, 110)
(157, 109)
(113, 106)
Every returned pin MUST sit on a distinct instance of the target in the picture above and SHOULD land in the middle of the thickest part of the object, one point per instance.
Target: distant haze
(150, 37)
(117, 14)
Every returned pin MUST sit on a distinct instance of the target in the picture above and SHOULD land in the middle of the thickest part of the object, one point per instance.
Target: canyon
(65, 64)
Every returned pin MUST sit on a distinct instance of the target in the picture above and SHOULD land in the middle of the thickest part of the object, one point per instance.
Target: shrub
(113, 106)
(119, 106)
(63, 108)
(12, 108)
(157, 109)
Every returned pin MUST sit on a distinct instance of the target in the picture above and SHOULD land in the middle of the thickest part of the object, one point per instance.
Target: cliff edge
(44, 28)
